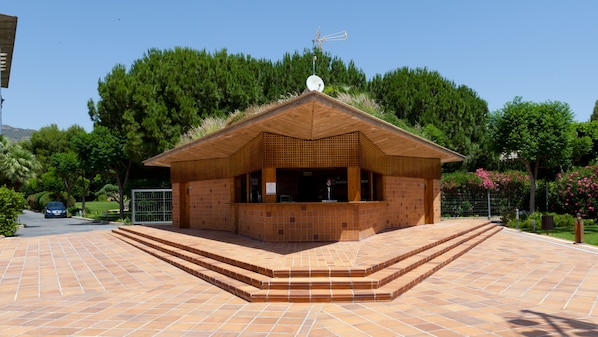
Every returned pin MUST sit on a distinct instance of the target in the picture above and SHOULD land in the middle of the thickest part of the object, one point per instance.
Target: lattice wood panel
(372, 158)
(341, 150)
(428, 168)
(249, 158)
(199, 170)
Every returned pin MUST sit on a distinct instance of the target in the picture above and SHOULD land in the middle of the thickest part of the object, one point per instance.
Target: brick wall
(210, 204)
(372, 218)
(210, 208)
(298, 221)
(405, 199)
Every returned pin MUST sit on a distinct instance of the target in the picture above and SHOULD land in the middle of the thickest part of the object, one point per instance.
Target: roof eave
(8, 31)
(444, 155)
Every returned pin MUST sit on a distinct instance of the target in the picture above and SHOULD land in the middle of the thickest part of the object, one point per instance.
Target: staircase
(263, 280)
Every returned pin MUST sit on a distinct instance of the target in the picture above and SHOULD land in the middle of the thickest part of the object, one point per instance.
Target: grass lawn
(97, 209)
(568, 233)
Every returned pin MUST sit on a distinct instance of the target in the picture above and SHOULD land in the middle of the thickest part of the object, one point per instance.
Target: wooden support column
(354, 183)
(184, 208)
(268, 176)
(247, 187)
(429, 201)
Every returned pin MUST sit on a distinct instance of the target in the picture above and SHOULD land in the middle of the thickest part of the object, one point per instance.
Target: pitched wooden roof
(311, 116)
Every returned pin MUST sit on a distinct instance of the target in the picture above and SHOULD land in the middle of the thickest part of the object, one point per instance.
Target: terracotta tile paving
(92, 284)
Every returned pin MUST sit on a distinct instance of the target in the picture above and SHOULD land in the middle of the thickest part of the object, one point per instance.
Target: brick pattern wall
(299, 222)
(210, 208)
(210, 204)
(372, 218)
(405, 198)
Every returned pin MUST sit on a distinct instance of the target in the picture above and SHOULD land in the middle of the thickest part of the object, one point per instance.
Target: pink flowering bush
(509, 188)
(577, 191)
(510, 183)
(457, 183)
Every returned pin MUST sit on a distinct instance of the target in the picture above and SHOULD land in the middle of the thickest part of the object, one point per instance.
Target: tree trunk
(68, 187)
(533, 174)
(121, 187)
(84, 192)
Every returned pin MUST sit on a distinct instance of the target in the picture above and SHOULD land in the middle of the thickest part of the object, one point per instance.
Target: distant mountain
(16, 134)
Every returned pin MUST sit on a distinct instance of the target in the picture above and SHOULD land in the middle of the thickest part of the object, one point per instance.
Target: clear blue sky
(540, 50)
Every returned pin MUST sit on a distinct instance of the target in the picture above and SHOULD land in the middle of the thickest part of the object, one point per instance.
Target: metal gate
(152, 206)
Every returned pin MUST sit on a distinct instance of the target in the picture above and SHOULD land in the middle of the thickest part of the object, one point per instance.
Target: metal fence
(151, 206)
(467, 204)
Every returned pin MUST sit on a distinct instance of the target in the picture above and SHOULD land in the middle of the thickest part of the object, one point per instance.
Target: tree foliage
(166, 93)
(66, 165)
(105, 152)
(17, 164)
(594, 116)
(455, 115)
(536, 134)
(50, 139)
(585, 144)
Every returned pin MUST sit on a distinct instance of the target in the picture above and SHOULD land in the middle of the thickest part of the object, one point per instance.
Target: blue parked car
(55, 209)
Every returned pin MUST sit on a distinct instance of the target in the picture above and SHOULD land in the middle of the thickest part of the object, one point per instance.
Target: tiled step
(232, 285)
(386, 292)
(375, 279)
(253, 282)
(218, 256)
(164, 251)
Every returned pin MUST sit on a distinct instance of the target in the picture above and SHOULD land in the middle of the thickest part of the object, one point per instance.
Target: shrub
(509, 188)
(564, 220)
(577, 191)
(11, 205)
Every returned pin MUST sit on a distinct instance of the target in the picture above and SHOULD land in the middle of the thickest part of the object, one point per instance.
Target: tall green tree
(289, 74)
(420, 97)
(585, 144)
(167, 92)
(536, 134)
(84, 147)
(594, 116)
(50, 139)
(46, 141)
(103, 151)
(66, 165)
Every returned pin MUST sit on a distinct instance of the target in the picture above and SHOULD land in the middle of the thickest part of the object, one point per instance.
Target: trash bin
(547, 223)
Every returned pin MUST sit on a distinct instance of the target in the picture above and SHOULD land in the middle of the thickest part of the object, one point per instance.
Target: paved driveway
(36, 225)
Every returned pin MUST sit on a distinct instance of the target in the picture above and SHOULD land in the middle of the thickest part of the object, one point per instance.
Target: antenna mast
(314, 82)
(319, 41)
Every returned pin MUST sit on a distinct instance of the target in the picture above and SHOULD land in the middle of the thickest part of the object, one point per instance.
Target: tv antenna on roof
(314, 82)
(340, 36)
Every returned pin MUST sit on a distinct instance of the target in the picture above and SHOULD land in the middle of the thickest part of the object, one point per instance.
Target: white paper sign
(271, 188)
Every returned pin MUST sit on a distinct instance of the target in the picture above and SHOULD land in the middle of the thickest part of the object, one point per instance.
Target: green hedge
(11, 205)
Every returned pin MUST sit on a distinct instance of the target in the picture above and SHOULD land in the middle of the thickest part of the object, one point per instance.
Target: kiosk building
(309, 169)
